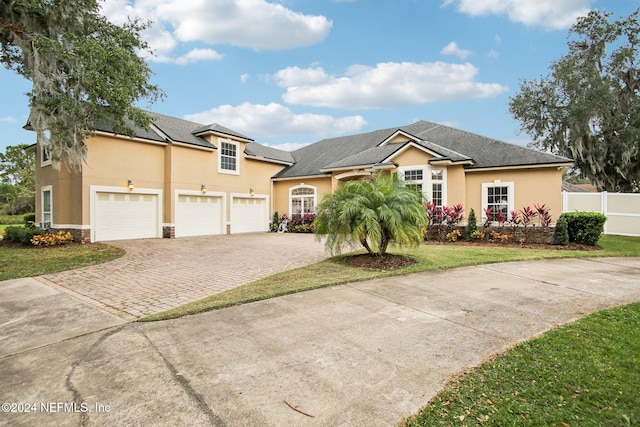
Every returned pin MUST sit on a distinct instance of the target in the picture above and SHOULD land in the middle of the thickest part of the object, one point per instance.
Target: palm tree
(372, 213)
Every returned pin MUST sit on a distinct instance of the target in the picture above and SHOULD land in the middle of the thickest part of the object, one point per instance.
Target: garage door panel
(249, 215)
(120, 216)
(199, 215)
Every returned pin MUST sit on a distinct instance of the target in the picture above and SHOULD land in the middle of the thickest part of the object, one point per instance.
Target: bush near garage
(584, 227)
(21, 234)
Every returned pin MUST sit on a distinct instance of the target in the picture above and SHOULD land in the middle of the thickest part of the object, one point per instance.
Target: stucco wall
(281, 191)
(531, 186)
(65, 190)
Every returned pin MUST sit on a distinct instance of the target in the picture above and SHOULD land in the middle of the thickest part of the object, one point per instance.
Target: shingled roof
(172, 129)
(446, 143)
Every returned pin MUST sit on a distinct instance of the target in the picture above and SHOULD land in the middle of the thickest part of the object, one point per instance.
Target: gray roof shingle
(447, 142)
(269, 153)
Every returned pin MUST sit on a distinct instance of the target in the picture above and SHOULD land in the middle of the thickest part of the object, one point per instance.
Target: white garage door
(199, 215)
(120, 216)
(249, 215)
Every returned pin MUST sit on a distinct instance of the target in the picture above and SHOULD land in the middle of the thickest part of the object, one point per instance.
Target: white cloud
(550, 14)
(8, 119)
(254, 24)
(386, 85)
(273, 120)
(453, 49)
(196, 55)
(493, 54)
(244, 77)
(295, 76)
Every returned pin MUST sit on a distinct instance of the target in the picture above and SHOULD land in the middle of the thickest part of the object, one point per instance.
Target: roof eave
(266, 159)
(222, 134)
(558, 165)
(449, 162)
(351, 167)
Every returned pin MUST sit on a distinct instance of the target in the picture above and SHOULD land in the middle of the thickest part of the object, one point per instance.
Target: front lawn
(336, 271)
(28, 261)
(583, 374)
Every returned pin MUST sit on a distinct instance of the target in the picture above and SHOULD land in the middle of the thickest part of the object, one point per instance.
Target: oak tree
(588, 106)
(84, 69)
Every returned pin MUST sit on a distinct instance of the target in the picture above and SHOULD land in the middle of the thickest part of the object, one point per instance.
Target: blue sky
(291, 72)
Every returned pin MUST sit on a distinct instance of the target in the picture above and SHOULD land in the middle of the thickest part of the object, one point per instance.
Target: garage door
(249, 215)
(120, 216)
(199, 215)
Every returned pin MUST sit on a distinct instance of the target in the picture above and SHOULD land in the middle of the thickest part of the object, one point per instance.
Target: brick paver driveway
(159, 274)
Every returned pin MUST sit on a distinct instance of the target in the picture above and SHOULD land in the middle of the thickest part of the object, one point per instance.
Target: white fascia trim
(348, 168)
(297, 178)
(224, 136)
(539, 166)
(195, 147)
(396, 133)
(406, 147)
(449, 162)
(129, 138)
(93, 189)
(265, 159)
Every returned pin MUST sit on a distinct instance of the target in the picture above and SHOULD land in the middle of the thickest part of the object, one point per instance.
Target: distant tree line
(17, 181)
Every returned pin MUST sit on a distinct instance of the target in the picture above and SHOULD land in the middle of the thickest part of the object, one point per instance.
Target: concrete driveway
(364, 354)
(158, 274)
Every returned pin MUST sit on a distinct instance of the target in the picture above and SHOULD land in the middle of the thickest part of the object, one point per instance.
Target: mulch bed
(382, 262)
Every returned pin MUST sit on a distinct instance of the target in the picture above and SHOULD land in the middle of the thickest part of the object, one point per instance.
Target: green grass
(335, 271)
(29, 261)
(583, 374)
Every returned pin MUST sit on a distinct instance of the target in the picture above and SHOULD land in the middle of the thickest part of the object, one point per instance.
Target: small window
(497, 200)
(45, 156)
(228, 157)
(46, 208)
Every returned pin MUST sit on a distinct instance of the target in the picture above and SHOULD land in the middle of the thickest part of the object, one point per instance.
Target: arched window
(302, 199)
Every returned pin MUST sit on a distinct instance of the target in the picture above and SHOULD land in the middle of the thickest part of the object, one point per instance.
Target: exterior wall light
(203, 188)
(130, 185)
(251, 192)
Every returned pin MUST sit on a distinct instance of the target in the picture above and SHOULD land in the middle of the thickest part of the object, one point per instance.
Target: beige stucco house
(184, 179)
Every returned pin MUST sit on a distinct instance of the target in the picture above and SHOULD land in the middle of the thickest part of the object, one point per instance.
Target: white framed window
(432, 183)
(46, 207)
(438, 187)
(303, 199)
(413, 176)
(45, 157)
(499, 196)
(228, 158)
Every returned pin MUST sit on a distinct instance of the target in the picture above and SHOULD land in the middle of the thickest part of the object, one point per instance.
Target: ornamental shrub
(585, 227)
(50, 239)
(21, 234)
(29, 220)
(472, 224)
(561, 233)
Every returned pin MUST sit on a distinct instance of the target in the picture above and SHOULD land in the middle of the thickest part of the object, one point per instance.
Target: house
(184, 179)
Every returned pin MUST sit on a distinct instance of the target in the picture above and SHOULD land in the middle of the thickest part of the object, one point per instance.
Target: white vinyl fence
(622, 209)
